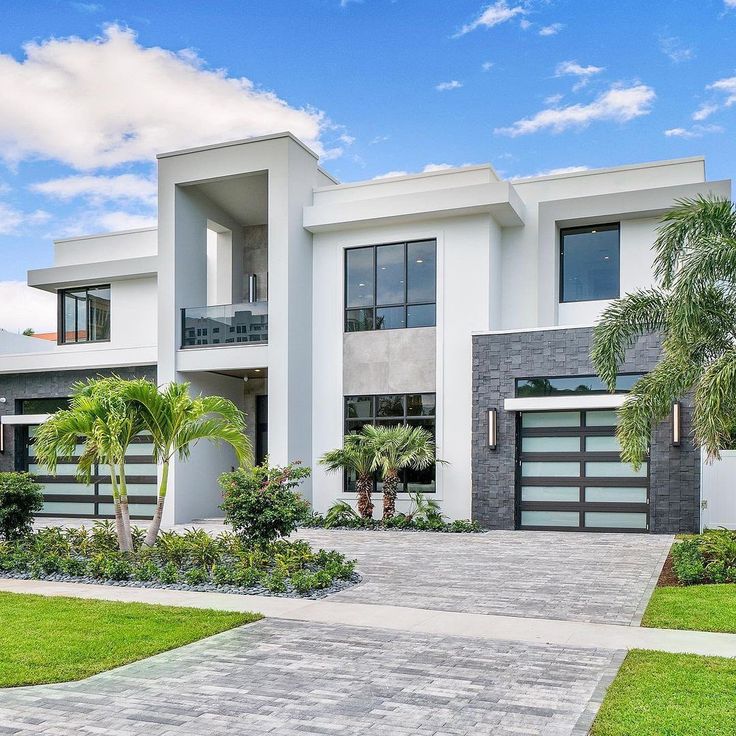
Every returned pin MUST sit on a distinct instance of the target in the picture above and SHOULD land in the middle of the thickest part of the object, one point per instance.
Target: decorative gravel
(336, 586)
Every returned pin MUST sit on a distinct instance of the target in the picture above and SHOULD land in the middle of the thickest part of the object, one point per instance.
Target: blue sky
(91, 90)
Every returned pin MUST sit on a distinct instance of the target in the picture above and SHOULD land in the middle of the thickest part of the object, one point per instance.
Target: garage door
(570, 475)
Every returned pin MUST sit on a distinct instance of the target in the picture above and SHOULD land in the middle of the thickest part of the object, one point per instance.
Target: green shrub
(341, 513)
(706, 558)
(169, 574)
(223, 575)
(261, 503)
(145, 571)
(73, 566)
(247, 575)
(275, 582)
(464, 526)
(20, 499)
(196, 576)
(110, 566)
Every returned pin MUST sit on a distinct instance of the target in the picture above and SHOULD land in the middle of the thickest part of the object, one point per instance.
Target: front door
(570, 475)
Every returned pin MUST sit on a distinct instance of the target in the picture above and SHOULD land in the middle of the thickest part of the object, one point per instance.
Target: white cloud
(553, 99)
(618, 104)
(486, 66)
(551, 30)
(100, 189)
(112, 221)
(705, 110)
(572, 68)
(525, 24)
(730, 3)
(727, 86)
(445, 86)
(109, 100)
(13, 220)
(426, 170)
(26, 307)
(675, 50)
(696, 131)
(493, 15)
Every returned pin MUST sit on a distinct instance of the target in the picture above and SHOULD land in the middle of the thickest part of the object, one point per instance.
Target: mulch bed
(667, 578)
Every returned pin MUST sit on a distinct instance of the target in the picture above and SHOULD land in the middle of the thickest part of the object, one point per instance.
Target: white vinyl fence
(718, 492)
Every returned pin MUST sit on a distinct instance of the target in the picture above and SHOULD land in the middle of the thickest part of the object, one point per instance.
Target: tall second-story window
(589, 263)
(390, 286)
(85, 314)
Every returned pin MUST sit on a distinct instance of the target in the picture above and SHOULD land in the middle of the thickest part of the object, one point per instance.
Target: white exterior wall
(105, 247)
(466, 249)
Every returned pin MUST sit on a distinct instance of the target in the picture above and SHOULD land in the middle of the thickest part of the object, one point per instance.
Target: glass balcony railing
(226, 324)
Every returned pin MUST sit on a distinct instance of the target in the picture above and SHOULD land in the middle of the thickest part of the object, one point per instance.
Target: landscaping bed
(696, 589)
(662, 694)
(194, 561)
(46, 640)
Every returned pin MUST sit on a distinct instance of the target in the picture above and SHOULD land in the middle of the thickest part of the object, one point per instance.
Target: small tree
(100, 415)
(357, 455)
(396, 449)
(20, 499)
(262, 503)
(29, 332)
(176, 422)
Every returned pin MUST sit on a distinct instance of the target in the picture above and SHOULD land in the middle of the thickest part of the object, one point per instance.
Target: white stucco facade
(497, 268)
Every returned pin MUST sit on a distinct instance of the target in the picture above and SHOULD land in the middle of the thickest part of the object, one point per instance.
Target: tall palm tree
(100, 416)
(693, 307)
(357, 455)
(176, 422)
(398, 448)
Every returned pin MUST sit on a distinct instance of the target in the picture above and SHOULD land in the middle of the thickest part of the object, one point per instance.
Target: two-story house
(452, 300)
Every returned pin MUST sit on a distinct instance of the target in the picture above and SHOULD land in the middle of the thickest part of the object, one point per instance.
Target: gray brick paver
(333, 679)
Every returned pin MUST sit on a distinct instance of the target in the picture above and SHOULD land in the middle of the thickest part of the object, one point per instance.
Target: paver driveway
(290, 679)
(603, 578)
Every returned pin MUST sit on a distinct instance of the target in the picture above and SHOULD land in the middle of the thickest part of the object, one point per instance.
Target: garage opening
(570, 475)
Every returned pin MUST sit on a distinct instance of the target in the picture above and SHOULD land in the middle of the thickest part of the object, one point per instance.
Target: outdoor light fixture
(492, 429)
(676, 423)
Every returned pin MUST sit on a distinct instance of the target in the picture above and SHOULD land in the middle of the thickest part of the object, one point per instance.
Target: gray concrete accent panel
(390, 361)
(498, 359)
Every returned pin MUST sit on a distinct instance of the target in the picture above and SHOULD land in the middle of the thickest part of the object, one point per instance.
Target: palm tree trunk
(124, 511)
(119, 524)
(364, 486)
(155, 525)
(390, 487)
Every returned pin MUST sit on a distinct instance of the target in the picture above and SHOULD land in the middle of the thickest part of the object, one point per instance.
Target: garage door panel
(570, 475)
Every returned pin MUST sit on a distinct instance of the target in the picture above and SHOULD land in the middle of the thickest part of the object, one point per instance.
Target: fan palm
(693, 307)
(100, 416)
(398, 448)
(176, 422)
(357, 456)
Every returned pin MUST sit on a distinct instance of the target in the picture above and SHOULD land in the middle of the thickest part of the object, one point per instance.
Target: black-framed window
(84, 314)
(590, 263)
(391, 286)
(572, 385)
(416, 410)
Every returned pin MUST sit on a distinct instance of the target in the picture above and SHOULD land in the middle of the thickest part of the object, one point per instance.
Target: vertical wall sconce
(492, 429)
(676, 424)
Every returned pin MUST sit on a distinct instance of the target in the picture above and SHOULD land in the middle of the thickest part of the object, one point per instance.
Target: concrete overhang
(562, 403)
(83, 274)
(216, 359)
(498, 199)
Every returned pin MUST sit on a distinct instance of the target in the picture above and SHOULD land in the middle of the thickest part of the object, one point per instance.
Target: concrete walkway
(401, 618)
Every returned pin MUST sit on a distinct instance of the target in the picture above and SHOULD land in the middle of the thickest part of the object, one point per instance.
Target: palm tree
(99, 415)
(176, 422)
(693, 307)
(357, 455)
(396, 449)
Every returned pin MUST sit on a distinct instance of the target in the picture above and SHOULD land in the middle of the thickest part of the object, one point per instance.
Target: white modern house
(452, 300)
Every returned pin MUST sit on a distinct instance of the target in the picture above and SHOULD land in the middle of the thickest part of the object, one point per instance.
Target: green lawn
(58, 639)
(698, 607)
(661, 694)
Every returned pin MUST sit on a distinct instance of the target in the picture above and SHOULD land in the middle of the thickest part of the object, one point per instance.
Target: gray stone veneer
(17, 386)
(499, 359)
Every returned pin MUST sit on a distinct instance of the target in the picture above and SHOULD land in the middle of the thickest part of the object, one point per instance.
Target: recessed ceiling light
(361, 284)
(419, 260)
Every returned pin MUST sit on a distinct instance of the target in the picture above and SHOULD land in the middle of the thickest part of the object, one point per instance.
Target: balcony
(226, 324)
